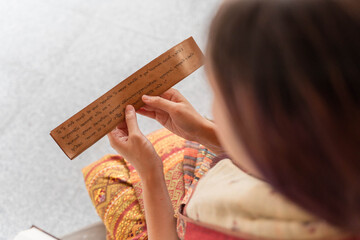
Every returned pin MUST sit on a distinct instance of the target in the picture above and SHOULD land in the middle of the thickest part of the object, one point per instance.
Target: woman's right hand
(173, 111)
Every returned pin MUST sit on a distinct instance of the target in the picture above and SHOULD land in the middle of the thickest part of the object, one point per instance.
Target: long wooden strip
(93, 122)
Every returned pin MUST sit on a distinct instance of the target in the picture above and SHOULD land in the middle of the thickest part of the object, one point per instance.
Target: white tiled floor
(56, 56)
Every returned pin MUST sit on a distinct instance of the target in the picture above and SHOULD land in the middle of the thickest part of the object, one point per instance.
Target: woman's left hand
(129, 142)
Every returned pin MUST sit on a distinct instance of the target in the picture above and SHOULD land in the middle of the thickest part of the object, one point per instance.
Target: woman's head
(286, 78)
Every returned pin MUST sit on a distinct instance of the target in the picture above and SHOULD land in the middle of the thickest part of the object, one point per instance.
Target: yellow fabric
(115, 188)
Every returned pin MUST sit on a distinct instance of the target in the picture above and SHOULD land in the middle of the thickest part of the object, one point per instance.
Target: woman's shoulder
(228, 198)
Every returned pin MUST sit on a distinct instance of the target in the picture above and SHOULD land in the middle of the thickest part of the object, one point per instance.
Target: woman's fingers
(120, 135)
(172, 94)
(145, 113)
(148, 108)
(159, 102)
(157, 111)
(122, 125)
(131, 120)
(168, 94)
(115, 139)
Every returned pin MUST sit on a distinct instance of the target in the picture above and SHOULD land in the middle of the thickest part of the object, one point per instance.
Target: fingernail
(129, 109)
(146, 97)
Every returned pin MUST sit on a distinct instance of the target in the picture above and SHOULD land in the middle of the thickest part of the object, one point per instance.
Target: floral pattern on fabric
(115, 187)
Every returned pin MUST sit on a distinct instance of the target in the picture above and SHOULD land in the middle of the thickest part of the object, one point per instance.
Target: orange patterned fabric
(115, 188)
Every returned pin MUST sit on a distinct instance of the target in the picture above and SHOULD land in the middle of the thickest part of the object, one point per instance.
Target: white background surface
(57, 56)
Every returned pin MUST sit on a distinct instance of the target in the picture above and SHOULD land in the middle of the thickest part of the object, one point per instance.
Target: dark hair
(289, 71)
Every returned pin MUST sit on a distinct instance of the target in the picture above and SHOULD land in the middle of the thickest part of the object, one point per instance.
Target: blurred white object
(34, 233)
(95, 231)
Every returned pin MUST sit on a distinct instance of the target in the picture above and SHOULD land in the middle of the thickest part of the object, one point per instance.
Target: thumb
(159, 102)
(131, 120)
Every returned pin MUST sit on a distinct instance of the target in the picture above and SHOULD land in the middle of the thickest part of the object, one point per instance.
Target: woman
(286, 82)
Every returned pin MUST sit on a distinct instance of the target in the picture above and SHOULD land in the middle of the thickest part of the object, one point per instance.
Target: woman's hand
(173, 111)
(129, 142)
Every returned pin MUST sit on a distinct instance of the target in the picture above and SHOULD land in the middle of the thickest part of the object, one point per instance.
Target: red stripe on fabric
(174, 150)
(122, 215)
(107, 160)
(157, 140)
(191, 152)
(196, 232)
